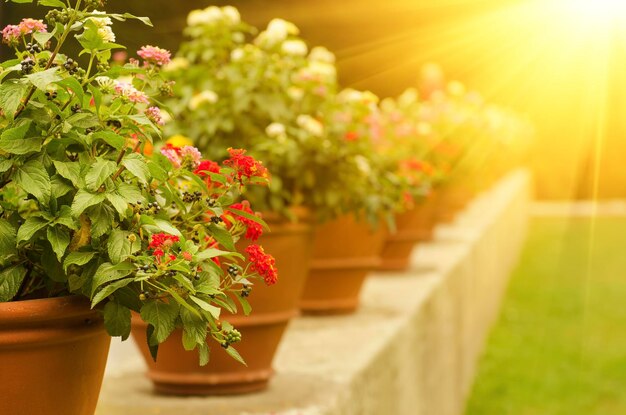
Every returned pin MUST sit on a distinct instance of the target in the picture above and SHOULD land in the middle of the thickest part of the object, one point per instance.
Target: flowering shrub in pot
(92, 229)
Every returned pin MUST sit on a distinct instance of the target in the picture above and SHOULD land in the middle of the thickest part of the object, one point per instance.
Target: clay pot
(414, 226)
(177, 371)
(52, 356)
(344, 252)
(452, 199)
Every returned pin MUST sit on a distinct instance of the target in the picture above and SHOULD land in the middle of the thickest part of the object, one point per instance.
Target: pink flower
(27, 26)
(191, 157)
(11, 35)
(154, 55)
(154, 115)
(172, 155)
(187, 157)
(131, 93)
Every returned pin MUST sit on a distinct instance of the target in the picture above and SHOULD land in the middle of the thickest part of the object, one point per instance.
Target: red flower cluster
(161, 242)
(205, 167)
(351, 136)
(245, 166)
(263, 264)
(253, 229)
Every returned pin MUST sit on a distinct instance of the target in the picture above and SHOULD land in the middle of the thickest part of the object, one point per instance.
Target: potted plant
(409, 142)
(92, 229)
(267, 90)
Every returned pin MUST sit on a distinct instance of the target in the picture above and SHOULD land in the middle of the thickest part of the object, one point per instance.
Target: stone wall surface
(411, 349)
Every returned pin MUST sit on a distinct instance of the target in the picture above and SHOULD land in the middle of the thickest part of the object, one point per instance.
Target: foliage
(83, 211)
(269, 94)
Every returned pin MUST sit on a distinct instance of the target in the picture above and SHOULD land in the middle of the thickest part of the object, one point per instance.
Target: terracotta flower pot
(412, 227)
(52, 357)
(452, 199)
(344, 252)
(177, 371)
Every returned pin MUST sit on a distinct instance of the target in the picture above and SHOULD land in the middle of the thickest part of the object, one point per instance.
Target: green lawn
(559, 347)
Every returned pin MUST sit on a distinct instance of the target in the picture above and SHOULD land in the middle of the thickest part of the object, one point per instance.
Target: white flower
(201, 98)
(321, 54)
(295, 93)
(294, 47)
(237, 54)
(104, 82)
(275, 129)
(101, 22)
(277, 31)
(204, 17)
(363, 164)
(231, 14)
(408, 97)
(310, 125)
(176, 64)
(322, 70)
(351, 95)
(106, 34)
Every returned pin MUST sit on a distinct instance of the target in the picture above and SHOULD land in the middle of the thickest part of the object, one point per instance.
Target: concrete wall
(411, 349)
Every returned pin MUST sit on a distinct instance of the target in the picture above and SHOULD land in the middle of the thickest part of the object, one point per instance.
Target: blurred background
(559, 62)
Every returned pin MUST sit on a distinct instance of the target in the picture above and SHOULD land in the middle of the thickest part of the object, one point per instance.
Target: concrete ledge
(411, 349)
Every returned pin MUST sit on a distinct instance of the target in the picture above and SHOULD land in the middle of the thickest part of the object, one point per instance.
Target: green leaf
(53, 267)
(84, 199)
(59, 186)
(69, 170)
(157, 171)
(152, 346)
(90, 40)
(78, 258)
(130, 193)
(250, 216)
(10, 281)
(136, 164)
(43, 79)
(65, 218)
(195, 329)
(114, 140)
(118, 203)
(43, 37)
(11, 94)
(214, 311)
(117, 320)
(102, 217)
(59, 239)
(30, 227)
(52, 3)
(223, 237)
(83, 120)
(203, 353)
(7, 241)
(167, 227)
(5, 164)
(162, 316)
(33, 178)
(123, 17)
(109, 289)
(214, 253)
(108, 272)
(245, 305)
(99, 172)
(235, 355)
(119, 247)
(12, 141)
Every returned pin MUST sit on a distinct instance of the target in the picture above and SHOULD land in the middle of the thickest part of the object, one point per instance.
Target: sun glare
(603, 11)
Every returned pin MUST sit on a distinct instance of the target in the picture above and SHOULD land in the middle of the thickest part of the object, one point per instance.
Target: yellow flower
(179, 141)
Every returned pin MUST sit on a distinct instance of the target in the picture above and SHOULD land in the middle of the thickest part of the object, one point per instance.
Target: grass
(559, 347)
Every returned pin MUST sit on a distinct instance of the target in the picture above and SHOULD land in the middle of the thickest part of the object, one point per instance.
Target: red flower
(160, 240)
(158, 253)
(187, 256)
(245, 166)
(262, 263)
(253, 229)
(206, 166)
(351, 136)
